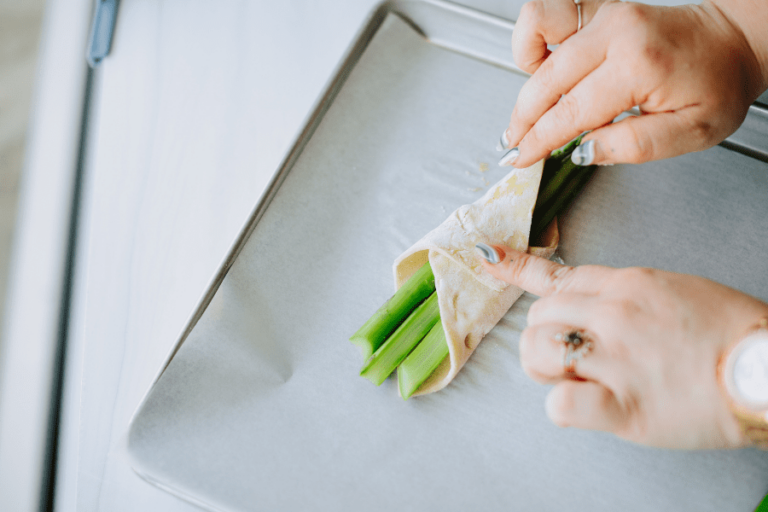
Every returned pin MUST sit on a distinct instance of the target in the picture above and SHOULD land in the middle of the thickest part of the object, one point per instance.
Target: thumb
(638, 139)
(543, 277)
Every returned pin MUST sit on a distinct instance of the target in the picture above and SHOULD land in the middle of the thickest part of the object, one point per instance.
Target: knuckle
(569, 110)
(532, 312)
(520, 112)
(629, 14)
(635, 275)
(535, 311)
(645, 48)
(559, 276)
(632, 427)
(532, 13)
(520, 268)
(561, 405)
(526, 341)
(529, 370)
(531, 141)
(614, 314)
(546, 77)
(528, 59)
(534, 136)
(639, 43)
(636, 431)
(530, 357)
(639, 147)
(527, 51)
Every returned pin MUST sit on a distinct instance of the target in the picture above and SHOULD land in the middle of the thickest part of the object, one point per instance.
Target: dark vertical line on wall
(48, 485)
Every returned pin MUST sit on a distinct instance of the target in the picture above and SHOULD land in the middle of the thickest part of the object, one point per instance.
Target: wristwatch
(743, 373)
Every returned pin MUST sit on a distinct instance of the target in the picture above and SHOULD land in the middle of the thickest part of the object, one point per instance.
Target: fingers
(541, 23)
(585, 404)
(651, 137)
(592, 103)
(543, 277)
(557, 75)
(541, 355)
(546, 22)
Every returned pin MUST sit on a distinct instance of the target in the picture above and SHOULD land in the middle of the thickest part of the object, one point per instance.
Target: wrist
(747, 18)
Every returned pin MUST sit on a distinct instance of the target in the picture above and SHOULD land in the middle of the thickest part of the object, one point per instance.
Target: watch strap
(753, 426)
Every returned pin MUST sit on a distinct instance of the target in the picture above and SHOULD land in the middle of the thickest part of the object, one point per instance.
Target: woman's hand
(657, 338)
(691, 70)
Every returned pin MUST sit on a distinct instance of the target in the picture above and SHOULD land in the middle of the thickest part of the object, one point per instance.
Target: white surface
(196, 106)
(194, 110)
(35, 288)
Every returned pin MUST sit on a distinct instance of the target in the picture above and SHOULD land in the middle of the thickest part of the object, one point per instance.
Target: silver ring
(578, 9)
(576, 345)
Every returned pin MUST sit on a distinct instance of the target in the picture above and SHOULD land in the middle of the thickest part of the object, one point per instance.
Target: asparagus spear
(424, 360)
(565, 194)
(373, 332)
(555, 162)
(548, 191)
(397, 347)
(565, 152)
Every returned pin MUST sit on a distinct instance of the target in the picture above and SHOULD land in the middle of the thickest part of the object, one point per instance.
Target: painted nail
(503, 142)
(584, 154)
(489, 253)
(510, 157)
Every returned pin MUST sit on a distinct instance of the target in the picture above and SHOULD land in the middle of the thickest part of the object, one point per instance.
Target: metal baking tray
(260, 406)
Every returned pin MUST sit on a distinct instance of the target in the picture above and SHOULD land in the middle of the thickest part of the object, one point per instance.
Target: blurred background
(20, 22)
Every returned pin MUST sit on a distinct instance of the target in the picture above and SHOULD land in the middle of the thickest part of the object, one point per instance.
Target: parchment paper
(262, 407)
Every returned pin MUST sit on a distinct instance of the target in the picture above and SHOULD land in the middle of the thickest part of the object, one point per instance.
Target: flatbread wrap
(472, 301)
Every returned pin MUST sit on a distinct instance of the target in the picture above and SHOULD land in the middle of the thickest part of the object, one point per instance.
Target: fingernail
(510, 157)
(490, 254)
(584, 154)
(503, 142)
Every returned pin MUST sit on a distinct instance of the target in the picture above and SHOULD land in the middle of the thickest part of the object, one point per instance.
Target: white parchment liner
(472, 301)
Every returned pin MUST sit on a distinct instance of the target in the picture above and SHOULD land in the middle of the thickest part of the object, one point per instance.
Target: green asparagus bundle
(403, 340)
(406, 332)
(383, 323)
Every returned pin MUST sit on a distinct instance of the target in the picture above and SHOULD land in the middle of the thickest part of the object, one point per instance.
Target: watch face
(750, 369)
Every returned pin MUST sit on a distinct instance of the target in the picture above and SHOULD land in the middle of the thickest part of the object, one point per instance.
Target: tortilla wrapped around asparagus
(470, 300)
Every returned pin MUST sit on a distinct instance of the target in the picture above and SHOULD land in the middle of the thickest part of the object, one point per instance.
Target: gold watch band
(754, 427)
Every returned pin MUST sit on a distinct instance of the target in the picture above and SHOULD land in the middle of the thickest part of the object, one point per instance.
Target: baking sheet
(261, 407)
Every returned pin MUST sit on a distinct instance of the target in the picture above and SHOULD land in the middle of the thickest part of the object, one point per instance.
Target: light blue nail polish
(584, 154)
(503, 142)
(489, 253)
(510, 157)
